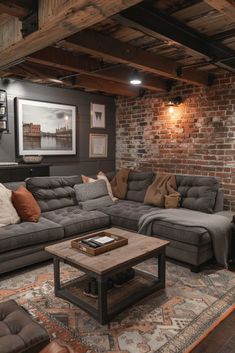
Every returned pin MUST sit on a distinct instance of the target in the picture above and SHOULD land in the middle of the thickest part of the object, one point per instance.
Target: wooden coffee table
(102, 267)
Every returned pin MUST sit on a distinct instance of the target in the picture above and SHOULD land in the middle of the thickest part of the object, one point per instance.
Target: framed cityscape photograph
(45, 128)
(98, 146)
(97, 116)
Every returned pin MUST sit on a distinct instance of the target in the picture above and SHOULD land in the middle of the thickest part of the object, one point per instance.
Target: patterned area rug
(170, 321)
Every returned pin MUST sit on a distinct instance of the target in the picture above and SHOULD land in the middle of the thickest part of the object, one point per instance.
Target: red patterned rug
(170, 321)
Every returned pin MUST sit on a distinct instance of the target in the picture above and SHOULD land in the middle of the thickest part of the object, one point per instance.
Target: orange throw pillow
(26, 205)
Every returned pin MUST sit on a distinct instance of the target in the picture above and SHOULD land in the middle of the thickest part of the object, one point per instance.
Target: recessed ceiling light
(135, 78)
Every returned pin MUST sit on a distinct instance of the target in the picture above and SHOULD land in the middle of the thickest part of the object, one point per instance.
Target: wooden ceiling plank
(10, 32)
(9, 8)
(67, 19)
(158, 24)
(61, 59)
(226, 7)
(108, 48)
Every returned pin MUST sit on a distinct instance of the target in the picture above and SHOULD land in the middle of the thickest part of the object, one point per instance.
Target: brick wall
(197, 138)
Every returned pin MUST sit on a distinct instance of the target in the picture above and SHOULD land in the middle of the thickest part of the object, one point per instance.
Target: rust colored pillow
(26, 205)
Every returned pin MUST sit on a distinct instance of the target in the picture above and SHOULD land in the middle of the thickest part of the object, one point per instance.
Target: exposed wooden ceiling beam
(46, 75)
(223, 35)
(226, 7)
(61, 59)
(4, 74)
(9, 8)
(123, 74)
(108, 48)
(21, 72)
(85, 81)
(68, 18)
(35, 72)
(154, 23)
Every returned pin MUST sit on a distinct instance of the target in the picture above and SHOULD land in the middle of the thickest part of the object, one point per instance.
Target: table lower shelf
(118, 299)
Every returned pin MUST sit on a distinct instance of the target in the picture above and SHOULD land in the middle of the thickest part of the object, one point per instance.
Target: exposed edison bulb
(171, 109)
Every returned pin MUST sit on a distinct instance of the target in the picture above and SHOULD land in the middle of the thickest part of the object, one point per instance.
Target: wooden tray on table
(117, 242)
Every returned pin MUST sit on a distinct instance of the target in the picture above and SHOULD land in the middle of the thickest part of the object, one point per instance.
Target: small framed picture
(3, 124)
(2, 96)
(97, 116)
(98, 146)
(2, 110)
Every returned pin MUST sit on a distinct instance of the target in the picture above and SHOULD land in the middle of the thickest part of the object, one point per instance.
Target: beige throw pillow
(87, 179)
(102, 176)
(172, 200)
(8, 214)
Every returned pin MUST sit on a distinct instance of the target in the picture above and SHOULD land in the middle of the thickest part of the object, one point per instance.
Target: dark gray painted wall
(64, 165)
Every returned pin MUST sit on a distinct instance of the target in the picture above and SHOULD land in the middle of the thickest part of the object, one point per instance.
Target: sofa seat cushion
(24, 234)
(126, 214)
(191, 235)
(18, 331)
(74, 220)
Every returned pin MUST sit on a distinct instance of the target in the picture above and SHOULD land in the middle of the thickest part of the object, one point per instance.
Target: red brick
(197, 139)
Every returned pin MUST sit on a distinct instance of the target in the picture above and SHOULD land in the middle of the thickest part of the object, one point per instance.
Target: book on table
(104, 240)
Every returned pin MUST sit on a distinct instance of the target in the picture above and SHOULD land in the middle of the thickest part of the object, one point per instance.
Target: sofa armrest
(219, 201)
(227, 214)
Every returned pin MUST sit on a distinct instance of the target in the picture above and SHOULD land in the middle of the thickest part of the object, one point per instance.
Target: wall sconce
(174, 102)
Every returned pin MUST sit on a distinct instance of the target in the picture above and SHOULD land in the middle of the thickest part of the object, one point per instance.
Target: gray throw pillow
(95, 204)
(92, 196)
(89, 191)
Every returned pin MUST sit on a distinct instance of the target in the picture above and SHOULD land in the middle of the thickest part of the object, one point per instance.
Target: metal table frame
(102, 315)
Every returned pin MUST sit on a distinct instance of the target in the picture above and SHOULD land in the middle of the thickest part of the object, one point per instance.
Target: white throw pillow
(8, 214)
(102, 176)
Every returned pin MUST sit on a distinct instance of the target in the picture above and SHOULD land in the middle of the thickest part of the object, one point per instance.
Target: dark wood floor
(221, 339)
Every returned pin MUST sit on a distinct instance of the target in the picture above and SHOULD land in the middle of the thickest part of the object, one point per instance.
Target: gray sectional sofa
(62, 218)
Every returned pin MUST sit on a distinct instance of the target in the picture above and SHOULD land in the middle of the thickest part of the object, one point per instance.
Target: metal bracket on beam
(211, 79)
(169, 84)
(29, 24)
(179, 71)
(142, 92)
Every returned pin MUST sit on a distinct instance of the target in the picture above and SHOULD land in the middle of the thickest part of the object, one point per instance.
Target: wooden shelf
(11, 173)
(115, 296)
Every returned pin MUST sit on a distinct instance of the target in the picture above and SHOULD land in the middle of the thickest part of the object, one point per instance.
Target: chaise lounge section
(191, 245)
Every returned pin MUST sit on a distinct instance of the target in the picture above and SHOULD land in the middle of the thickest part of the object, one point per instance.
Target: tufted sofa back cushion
(54, 192)
(197, 193)
(18, 331)
(138, 182)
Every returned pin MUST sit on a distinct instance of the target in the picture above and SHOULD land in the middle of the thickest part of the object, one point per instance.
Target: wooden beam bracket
(211, 79)
(179, 71)
(29, 24)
